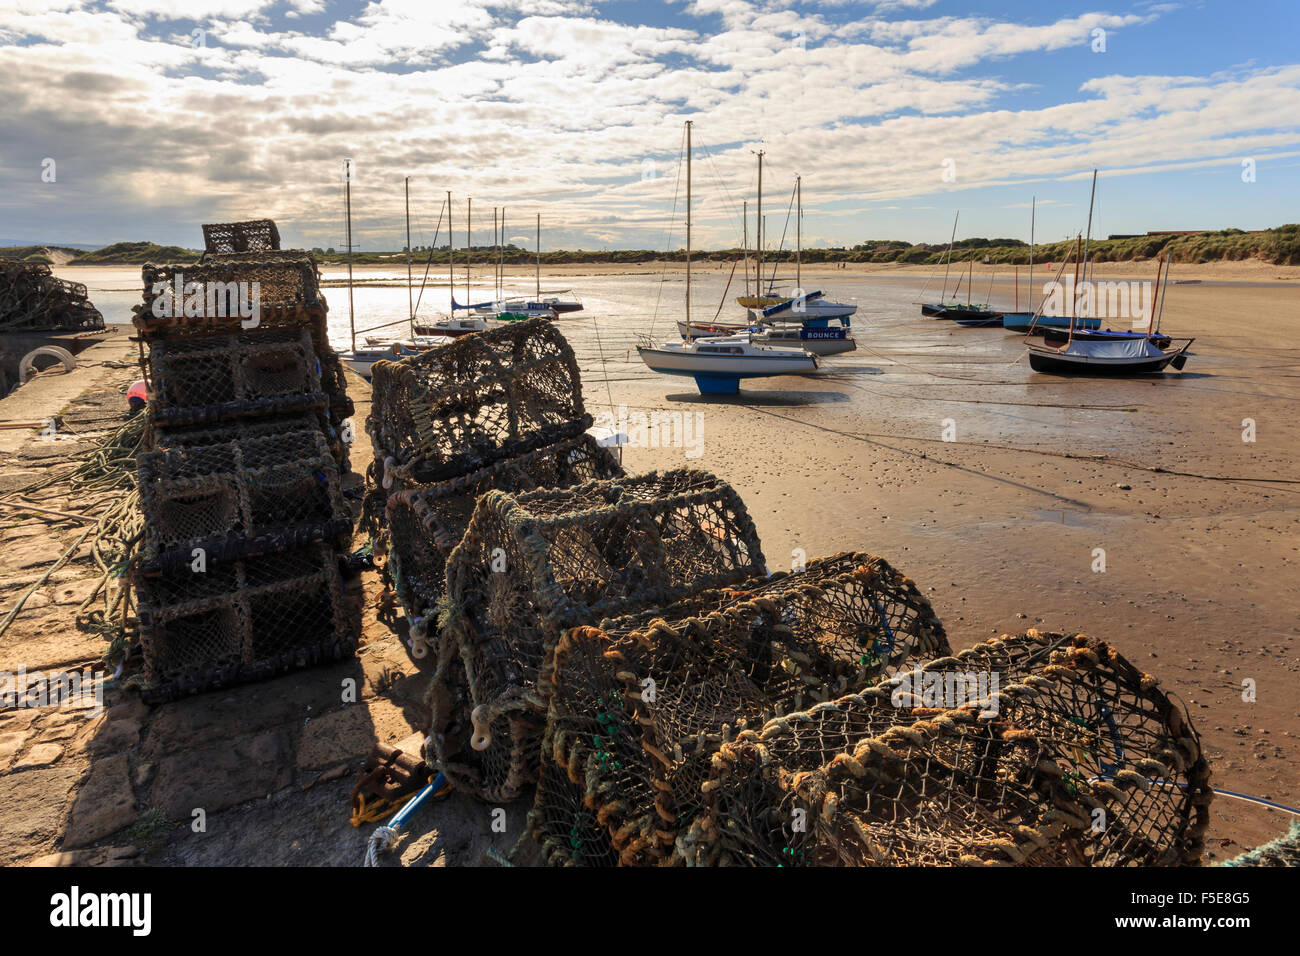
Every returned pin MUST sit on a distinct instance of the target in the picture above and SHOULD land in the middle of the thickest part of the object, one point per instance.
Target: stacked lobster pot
(239, 574)
(497, 410)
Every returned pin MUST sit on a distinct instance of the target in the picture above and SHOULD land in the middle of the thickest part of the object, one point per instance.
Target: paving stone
(11, 741)
(99, 856)
(223, 774)
(41, 755)
(104, 804)
(34, 803)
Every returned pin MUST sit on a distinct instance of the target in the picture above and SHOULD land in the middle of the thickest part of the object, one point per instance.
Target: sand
(1001, 527)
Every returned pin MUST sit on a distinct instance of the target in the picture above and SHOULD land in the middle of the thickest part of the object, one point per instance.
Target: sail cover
(1113, 349)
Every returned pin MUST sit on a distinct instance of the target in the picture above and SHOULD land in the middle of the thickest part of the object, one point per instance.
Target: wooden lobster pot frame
(426, 522)
(1075, 759)
(530, 566)
(244, 620)
(639, 705)
(484, 398)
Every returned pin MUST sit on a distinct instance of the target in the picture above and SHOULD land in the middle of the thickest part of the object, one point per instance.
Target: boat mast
(970, 278)
(1033, 209)
(410, 301)
(347, 205)
(745, 242)
(1169, 264)
(1086, 242)
(539, 257)
(501, 256)
(451, 255)
(1074, 309)
(496, 266)
(758, 232)
(688, 228)
(798, 234)
(469, 245)
(948, 261)
(1151, 320)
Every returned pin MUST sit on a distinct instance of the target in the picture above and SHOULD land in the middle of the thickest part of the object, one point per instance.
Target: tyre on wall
(27, 367)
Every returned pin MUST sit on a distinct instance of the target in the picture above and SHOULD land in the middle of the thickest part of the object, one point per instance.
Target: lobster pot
(216, 378)
(232, 498)
(662, 689)
(488, 396)
(243, 620)
(1026, 775)
(254, 235)
(247, 429)
(31, 298)
(285, 286)
(427, 521)
(533, 564)
(334, 385)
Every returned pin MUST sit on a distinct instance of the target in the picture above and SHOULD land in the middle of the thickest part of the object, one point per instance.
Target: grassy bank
(1277, 246)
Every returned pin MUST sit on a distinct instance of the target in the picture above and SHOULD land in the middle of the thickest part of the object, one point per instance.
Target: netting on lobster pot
(531, 565)
(605, 695)
(230, 293)
(1118, 739)
(253, 235)
(487, 396)
(893, 776)
(334, 384)
(194, 380)
(243, 620)
(245, 429)
(31, 298)
(570, 828)
(425, 522)
(721, 660)
(863, 782)
(265, 493)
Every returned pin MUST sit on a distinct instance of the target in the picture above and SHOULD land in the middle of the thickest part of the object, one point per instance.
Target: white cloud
(532, 102)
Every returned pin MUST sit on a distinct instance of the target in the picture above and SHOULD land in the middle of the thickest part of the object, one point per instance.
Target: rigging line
(429, 262)
(726, 193)
(668, 235)
(723, 301)
(977, 401)
(604, 367)
(776, 261)
(955, 378)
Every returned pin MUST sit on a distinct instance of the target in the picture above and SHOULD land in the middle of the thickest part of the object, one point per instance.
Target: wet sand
(1000, 527)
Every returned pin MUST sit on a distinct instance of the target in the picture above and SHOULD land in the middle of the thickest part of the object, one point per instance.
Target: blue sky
(573, 110)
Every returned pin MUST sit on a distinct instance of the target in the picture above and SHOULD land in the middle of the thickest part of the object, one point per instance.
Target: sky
(142, 119)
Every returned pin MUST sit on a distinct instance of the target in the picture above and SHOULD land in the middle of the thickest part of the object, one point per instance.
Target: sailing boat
(796, 305)
(970, 312)
(1111, 355)
(801, 320)
(1032, 322)
(550, 306)
(361, 359)
(954, 309)
(718, 364)
(451, 325)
